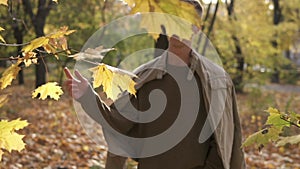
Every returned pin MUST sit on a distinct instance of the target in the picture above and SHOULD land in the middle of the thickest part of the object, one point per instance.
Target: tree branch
(14, 45)
(292, 123)
(41, 51)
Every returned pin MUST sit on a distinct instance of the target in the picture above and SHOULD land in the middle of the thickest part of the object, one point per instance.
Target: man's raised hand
(76, 86)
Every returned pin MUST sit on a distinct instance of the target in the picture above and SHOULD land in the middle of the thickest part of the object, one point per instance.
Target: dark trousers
(213, 160)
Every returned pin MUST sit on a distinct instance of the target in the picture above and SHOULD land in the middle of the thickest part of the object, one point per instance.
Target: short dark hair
(198, 6)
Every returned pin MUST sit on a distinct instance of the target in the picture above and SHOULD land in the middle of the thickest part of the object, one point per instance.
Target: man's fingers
(79, 76)
(68, 73)
(70, 82)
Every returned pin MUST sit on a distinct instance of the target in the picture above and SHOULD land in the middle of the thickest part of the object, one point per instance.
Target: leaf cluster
(9, 139)
(275, 124)
(50, 43)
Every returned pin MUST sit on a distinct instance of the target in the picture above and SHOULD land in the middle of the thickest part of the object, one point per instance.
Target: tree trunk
(238, 79)
(230, 7)
(19, 51)
(277, 16)
(18, 35)
(277, 12)
(211, 26)
(40, 72)
(38, 22)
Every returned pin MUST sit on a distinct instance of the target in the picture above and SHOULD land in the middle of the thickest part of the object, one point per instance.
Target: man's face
(176, 42)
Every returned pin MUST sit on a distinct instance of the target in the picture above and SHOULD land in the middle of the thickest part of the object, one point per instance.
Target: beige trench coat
(219, 99)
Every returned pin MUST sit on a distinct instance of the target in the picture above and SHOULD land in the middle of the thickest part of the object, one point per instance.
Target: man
(176, 72)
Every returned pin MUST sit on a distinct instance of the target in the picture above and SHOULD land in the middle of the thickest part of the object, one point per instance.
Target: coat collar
(157, 68)
(161, 64)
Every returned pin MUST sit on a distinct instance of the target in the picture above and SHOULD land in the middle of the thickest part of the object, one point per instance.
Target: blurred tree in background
(25, 20)
(255, 39)
(258, 41)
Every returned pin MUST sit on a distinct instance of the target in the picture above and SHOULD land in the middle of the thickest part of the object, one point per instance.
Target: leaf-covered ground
(55, 139)
(252, 106)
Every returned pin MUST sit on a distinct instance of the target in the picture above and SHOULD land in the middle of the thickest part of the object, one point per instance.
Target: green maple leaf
(276, 119)
(263, 137)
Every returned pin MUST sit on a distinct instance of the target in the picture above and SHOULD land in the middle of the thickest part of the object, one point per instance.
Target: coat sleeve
(94, 107)
(98, 111)
(115, 162)
(237, 157)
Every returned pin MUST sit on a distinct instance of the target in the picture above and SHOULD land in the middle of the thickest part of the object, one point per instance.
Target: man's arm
(80, 90)
(115, 162)
(97, 110)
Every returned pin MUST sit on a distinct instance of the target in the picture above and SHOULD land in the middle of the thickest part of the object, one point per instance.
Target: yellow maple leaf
(49, 89)
(125, 82)
(113, 80)
(9, 75)
(48, 48)
(60, 43)
(1, 38)
(13, 125)
(51, 42)
(1, 153)
(61, 32)
(57, 40)
(9, 139)
(12, 141)
(51, 47)
(36, 43)
(180, 9)
(3, 2)
(3, 100)
(29, 58)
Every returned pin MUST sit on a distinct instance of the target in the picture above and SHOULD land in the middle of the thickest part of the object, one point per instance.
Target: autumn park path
(282, 88)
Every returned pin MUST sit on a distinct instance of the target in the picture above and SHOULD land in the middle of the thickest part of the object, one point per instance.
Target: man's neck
(178, 57)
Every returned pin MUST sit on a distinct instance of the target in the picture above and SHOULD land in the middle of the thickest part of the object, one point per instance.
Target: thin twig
(90, 62)
(41, 51)
(77, 51)
(292, 123)
(58, 52)
(10, 58)
(46, 69)
(14, 45)
(295, 124)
